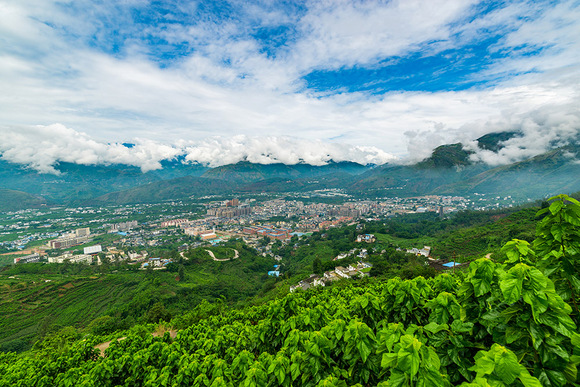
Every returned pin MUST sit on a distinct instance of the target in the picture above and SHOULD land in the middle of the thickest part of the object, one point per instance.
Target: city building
(83, 258)
(28, 259)
(92, 249)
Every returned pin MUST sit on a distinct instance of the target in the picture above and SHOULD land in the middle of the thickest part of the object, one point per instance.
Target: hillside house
(368, 238)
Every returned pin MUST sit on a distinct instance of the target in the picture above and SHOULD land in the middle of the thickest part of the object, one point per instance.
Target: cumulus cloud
(538, 132)
(43, 147)
(266, 150)
(339, 34)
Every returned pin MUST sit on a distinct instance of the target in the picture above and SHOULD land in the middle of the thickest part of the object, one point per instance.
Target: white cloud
(43, 147)
(266, 150)
(541, 130)
(347, 33)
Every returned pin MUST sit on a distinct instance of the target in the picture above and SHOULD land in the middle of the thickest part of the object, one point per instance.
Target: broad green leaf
(364, 349)
(538, 280)
(460, 327)
(431, 359)
(511, 288)
(557, 231)
(513, 334)
(295, 371)
(433, 327)
(408, 355)
(477, 382)
(430, 378)
(398, 379)
(506, 365)
(556, 206)
(571, 371)
(332, 381)
(484, 365)
(528, 380)
(389, 360)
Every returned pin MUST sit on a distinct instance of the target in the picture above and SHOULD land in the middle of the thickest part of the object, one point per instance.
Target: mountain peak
(493, 141)
(446, 156)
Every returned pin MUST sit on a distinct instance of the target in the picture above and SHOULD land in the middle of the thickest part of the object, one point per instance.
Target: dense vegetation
(500, 323)
(38, 299)
(34, 308)
(11, 200)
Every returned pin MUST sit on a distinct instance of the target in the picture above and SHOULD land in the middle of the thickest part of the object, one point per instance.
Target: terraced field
(58, 303)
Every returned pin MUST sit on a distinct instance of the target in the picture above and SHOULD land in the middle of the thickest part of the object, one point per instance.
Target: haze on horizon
(312, 81)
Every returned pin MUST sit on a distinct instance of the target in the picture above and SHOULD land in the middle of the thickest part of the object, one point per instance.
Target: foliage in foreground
(509, 323)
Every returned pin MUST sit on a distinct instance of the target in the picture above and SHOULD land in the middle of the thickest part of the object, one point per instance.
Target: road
(211, 254)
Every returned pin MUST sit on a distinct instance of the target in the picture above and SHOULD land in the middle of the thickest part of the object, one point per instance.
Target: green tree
(158, 313)
(317, 266)
(181, 273)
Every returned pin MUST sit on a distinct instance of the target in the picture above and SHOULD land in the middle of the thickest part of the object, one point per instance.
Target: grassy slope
(178, 188)
(473, 242)
(11, 200)
(406, 243)
(28, 304)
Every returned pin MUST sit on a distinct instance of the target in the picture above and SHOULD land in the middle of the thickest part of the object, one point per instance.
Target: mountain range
(448, 171)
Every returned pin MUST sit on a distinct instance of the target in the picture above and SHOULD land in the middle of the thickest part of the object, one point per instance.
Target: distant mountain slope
(446, 156)
(403, 180)
(278, 184)
(493, 141)
(246, 172)
(178, 188)
(547, 174)
(448, 171)
(11, 200)
(81, 182)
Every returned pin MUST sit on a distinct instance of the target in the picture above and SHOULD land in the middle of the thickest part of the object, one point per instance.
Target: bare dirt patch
(103, 346)
(161, 331)
(158, 333)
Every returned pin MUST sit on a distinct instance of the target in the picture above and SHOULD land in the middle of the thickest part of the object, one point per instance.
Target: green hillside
(472, 242)
(246, 172)
(80, 182)
(41, 298)
(493, 141)
(173, 189)
(540, 176)
(501, 322)
(401, 180)
(446, 156)
(11, 200)
(448, 171)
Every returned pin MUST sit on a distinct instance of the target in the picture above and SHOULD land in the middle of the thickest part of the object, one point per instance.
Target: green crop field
(29, 302)
(43, 297)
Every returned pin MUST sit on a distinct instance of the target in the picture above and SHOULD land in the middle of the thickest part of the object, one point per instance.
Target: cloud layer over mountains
(42, 147)
(542, 129)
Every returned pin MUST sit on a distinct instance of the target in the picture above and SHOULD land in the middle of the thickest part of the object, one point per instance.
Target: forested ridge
(508, 322)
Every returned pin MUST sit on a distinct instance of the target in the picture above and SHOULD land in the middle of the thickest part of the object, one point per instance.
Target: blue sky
(302, 80)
